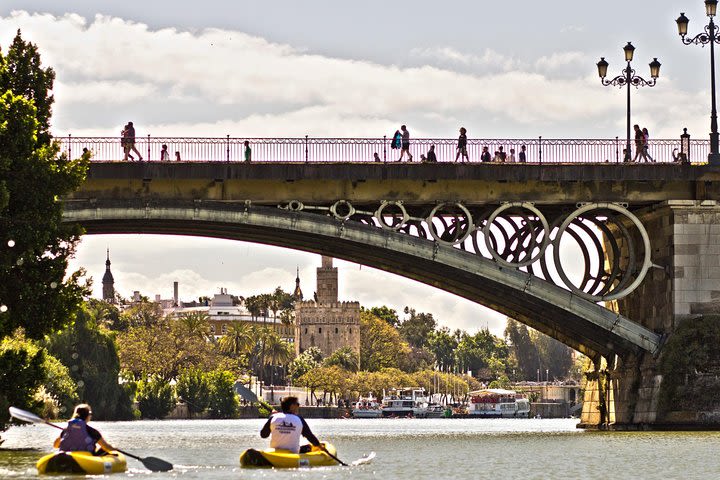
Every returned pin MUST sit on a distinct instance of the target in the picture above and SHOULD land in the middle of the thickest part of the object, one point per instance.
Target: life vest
(286, 430)
(76, 438)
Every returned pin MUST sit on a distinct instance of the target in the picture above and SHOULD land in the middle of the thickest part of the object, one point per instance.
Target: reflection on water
(406, 448)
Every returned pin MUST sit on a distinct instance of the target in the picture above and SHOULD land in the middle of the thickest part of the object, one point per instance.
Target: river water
(414, 449)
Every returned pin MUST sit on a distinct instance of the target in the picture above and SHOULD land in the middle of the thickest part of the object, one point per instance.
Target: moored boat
(367, 407)
(497, 402)
(405, 402)
(435, 410)
(82, 462)
(276, 458)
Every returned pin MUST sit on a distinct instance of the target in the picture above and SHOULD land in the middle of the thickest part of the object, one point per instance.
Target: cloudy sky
(347, 69)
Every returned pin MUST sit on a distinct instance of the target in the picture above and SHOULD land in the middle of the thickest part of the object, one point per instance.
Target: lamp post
(708, 36)
(628, 78)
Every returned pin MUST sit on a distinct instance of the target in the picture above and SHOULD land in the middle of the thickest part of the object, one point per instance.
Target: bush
(223, 399)
(192, 388)
(155, 397)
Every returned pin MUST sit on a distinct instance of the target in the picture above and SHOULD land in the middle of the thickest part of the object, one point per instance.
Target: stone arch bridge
(490, 233)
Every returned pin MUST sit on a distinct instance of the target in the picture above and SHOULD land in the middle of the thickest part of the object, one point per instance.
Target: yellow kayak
(286, 459)
(82, 462)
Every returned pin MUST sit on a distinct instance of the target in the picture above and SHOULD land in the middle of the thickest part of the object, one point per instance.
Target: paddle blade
(156, 464)
(362, 461)
(25, 416)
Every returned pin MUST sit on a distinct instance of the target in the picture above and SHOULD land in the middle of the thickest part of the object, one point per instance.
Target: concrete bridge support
(668, 390)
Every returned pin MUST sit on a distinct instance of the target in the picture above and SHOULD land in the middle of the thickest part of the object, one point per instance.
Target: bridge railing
(334, 150)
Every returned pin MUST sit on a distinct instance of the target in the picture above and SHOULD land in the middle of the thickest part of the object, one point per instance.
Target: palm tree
(252, 303)
(196, 324)
(239, 339)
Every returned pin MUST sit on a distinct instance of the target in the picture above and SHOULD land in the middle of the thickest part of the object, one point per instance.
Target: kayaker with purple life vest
(287, 426)
(79, 436)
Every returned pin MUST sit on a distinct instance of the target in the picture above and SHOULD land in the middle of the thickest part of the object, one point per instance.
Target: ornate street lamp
(628, 78)
(708, 36)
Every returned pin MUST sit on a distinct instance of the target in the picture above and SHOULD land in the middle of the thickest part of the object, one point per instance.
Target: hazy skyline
(505, 70)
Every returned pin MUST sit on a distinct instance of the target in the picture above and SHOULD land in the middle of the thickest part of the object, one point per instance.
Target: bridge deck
(413, 183)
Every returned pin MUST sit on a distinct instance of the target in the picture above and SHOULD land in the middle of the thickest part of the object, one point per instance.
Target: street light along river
(628, 78)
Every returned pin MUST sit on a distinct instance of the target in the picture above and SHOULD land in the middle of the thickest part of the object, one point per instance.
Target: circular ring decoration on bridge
(523, 244)
(398, 223)
(608, 292)
(342, 210)
(295, 205)
(454, 232)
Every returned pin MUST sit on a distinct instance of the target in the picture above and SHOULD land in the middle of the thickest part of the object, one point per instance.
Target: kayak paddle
(322, 446)
(151, 463)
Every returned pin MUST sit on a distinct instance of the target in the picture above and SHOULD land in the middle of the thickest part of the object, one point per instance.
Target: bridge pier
(678, 388)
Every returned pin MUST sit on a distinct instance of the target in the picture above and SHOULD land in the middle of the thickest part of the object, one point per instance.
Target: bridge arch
(579, 323)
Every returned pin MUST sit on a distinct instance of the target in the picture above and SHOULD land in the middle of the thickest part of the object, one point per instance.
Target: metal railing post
(384, 148)
(617, 149)
(306, 148)
(148, 156)
(227, 144)
(69, 146)
(540, 149)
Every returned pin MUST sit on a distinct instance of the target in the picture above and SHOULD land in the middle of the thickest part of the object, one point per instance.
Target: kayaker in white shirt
(285, 428)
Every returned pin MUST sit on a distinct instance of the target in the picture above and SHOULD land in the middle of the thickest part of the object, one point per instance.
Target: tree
(345, 358)
(523, 349)
(555, 357)
(417, 328)
(192, 388)
(380, 344)
(89, 351)
(223, 399)
(238, 340)
(32, 177)
(195, 324)
(482, 351)
(306, 361)
(22, 372)
(36, 294)
(443, 344)
(154, 397)
(386, 313)
(25, 76)
(142, 314)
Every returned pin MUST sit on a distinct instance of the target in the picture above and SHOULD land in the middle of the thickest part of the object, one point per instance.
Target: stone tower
(108, 282)
(325, 322)
(327, 282)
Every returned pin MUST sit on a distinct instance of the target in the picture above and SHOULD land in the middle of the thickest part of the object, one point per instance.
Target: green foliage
(25, 76)
(417, 328)
(60, 386)
(380, 344)
(690, 363)
(306, 361)
(482, 351)
(22, 372)
(264, 408)
(223, 399)
(442, 344)
(155, 397)
(386, 313)
(32, 177)
(89, 352)
(192, 388)
(163, 347)
(532, 351)
(345, 358)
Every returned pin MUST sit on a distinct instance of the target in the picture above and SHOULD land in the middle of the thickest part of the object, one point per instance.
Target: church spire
(108, 282)
(297, 294)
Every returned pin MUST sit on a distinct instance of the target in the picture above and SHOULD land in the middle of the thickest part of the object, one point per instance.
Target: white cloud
(215, 82)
